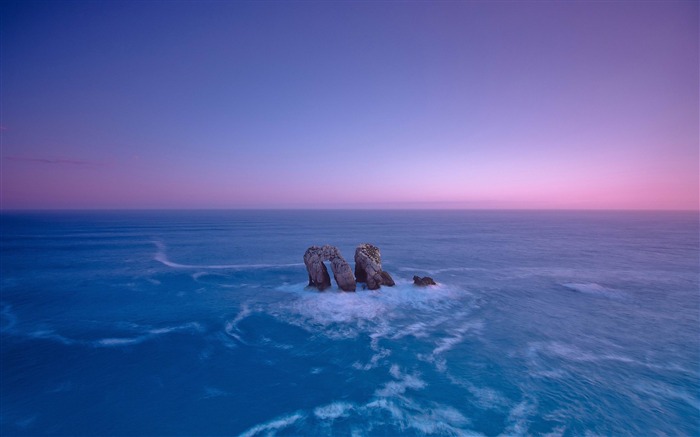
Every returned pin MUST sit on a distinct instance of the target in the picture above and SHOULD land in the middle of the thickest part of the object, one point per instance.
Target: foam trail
(150, 334)
(271, 426)
(406, 413)
(458, 335)
(162, 258)
(187, 326)
(518, 419)
(333, 411)
(107, 342)
(595, 290)
(426, 419)
(441, 420)
(50, 335)
(485, 397)
(198, 275)
(232, 325)
(403, 383)
(572, 353)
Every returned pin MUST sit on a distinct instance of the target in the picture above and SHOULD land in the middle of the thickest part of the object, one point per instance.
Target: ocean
(159, 323)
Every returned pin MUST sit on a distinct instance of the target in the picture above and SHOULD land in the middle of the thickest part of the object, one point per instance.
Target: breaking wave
(339, 314)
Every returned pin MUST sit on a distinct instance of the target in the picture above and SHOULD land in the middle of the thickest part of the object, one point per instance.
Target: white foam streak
(107, 342)
(426, 419)
(162, 258)
(573, 353)
(440, 420)
(383, 331)
(417, 330)
(273, 425)
(149, 335)
(405, 382)
(231, 327)
(198, 275)
(485, 397)
(458, 335)
(518, 419)
(333, 410)
(594, 289)
(50, 335)
(389, 406)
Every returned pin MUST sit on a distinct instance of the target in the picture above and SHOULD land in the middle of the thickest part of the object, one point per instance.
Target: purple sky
(349, 104)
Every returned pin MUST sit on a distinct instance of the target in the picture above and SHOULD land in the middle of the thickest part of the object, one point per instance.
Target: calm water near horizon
(199, 323)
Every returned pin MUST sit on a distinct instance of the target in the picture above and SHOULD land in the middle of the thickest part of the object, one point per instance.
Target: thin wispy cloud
(59, 161)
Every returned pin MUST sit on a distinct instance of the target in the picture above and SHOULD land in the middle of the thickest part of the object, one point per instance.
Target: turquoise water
(199, 323)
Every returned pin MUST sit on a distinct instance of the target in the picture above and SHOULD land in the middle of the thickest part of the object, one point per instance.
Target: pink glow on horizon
(60, 183)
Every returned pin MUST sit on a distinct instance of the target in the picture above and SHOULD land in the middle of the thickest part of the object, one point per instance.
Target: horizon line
(9, 210)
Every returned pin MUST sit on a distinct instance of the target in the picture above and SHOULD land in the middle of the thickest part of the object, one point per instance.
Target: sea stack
(368, 267)
(318, 273)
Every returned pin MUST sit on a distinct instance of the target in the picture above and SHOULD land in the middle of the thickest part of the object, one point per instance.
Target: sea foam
(162, 258)
(273, 425)
(596, 290)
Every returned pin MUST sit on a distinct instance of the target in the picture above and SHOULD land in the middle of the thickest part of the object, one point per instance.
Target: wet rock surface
(424, 281)
(318, 272)
(368, 267)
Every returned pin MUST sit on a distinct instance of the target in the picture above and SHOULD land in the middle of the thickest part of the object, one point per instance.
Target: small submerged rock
(424, 281)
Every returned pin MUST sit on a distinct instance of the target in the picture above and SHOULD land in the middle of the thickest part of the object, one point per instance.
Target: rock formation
(318, 273)
(368, 267)
(387, 279)
(422, 282)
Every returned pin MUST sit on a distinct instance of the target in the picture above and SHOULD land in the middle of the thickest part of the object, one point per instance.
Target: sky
(388, 104)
